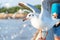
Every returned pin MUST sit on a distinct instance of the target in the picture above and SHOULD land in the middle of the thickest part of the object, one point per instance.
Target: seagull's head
(29, 16)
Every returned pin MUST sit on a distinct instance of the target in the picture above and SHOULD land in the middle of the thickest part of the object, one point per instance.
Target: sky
(15, 2)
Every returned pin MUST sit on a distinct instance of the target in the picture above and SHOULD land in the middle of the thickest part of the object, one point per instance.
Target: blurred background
(11, 15)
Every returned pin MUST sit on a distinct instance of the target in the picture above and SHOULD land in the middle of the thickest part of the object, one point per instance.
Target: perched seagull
(43, 21)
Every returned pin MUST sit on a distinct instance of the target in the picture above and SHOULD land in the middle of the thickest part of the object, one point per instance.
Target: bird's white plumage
(45, 23)
(44, 20)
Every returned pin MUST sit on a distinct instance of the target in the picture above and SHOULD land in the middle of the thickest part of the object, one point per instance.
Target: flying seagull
(43, 21)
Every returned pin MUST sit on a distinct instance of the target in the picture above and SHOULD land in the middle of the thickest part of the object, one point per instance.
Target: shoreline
(12, 16)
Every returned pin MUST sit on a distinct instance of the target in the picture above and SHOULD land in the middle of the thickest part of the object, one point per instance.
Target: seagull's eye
(29, 15)
(32, 15)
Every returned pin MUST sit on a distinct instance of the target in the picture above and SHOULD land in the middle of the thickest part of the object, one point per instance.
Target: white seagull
(43, 21)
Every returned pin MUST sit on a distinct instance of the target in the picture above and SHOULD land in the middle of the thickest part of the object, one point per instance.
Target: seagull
(42, 21)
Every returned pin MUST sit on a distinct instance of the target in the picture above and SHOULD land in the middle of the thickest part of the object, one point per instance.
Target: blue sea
(16, 29)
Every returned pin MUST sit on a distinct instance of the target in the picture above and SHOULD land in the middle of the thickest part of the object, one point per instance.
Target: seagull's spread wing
(45, 9)
(31, 7)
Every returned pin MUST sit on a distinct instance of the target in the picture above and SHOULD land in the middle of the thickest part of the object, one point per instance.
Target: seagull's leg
(41, 34)
(45, 35)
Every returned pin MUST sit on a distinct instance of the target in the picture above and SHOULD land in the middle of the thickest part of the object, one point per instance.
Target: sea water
(16, 29)
(13, 29)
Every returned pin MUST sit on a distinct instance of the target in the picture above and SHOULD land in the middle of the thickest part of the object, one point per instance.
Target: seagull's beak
(25, 19)
(55, 15)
